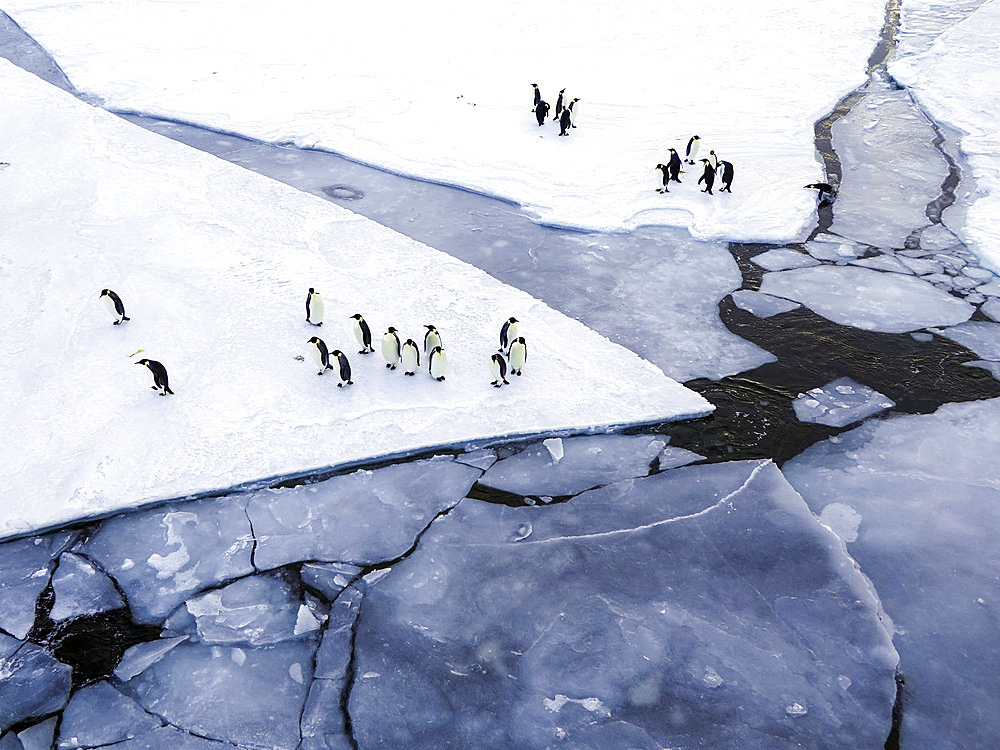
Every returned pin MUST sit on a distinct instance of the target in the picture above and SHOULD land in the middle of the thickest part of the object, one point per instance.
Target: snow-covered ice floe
(436, 91)
(917, 499)
(956, 80)
(213, 263)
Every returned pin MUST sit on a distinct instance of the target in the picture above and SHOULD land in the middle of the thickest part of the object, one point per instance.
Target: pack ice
(213, 263)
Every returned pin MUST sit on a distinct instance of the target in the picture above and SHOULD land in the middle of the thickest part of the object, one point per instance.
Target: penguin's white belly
(517, 356)
(439, 363)
(410, 359)
(359, 334)
(433, 340)
(390, 350)
(110, 304)
(316, 309)
(317, 357)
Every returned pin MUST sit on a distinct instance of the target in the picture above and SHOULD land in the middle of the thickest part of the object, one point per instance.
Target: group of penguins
(406, 355)
(672, 169)
(566, 115)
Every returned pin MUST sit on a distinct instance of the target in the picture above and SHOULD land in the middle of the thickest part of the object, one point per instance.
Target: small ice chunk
(481, 459)
(762, 305)
(783, 258)
(921, 266)
(100, 715)
(922, 336)
(936, 237)
(796, 709)
(712, 678)
(329, 579)
(39, 736)
(885, 262)
(842, 520)
(81, 589)
(839, 403)
(256, 610)
(32, 682)
(671, 458)
(143, 655)
(990, 288)
(555, 448)
(24, 573)
(834, 251)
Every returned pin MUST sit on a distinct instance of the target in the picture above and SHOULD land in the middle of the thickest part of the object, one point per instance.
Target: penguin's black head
(390, 329)
(513, 320)
(143, 362)
(105, 292)
(314, 340)
(429, 327)
(562, 91)
(336, 353)
(356, 316)
(673, 151)
(697, 137)
(534, 85)
(311, 290)
(661, 166)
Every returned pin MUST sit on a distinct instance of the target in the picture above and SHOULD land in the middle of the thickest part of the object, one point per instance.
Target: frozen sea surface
(924, 492)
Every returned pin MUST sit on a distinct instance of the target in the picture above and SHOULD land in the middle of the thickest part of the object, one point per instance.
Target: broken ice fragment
(762, 305)
(81, 589)
(839, 403)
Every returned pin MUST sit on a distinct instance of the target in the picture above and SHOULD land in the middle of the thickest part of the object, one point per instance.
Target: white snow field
(213, 263)
(437, 91)
(956, 80)
(917, 499)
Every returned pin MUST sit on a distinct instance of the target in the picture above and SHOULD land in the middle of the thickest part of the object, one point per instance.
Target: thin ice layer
(213, 263)
(839, 403)
(419, 91)
(732, 619)
(924, 494)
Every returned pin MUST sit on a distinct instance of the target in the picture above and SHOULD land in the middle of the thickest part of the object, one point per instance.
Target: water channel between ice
(655, 291)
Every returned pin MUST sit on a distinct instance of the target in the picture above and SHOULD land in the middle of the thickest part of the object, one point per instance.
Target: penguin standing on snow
(713, 159)
(344, 370)
(574, 110)
(115, 306)
(159, 375)
(314, 308)
(431, 339)
(518, 355)
(437, 363)
(674, 165)
(362, 333)
(541, 112)
(559, 105)
(507, 334)
(665, 176)
(826, 191)
(727, 176)
(320, 354)
(498, 368)
(708, 177)
(692, 149)
(390, 348)
(410, 356)
(565, 121)
(538, 95)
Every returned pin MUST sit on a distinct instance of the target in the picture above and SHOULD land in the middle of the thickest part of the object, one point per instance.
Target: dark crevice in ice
(349, 677)
(496, 496)
(936, 207)
(892, 741)
(253, 535)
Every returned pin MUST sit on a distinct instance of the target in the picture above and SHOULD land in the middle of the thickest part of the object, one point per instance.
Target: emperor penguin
(826, 191)
(727, 176)
(431, 339)
(538, 95)
(159, 376)
(344, 369)
(518, 355)
(559, 104)
(498, 368)
(362, 333)
(507, 334)
(320, 354)
(437, 363)
(708, 177)
(574, 110)
(541, 112)
(713, 159)
(665, 177)
(674, 165)
(390, 348)
(410, 356)
(565, 120)
(115, 306)
(692, 149)
(314, 308)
